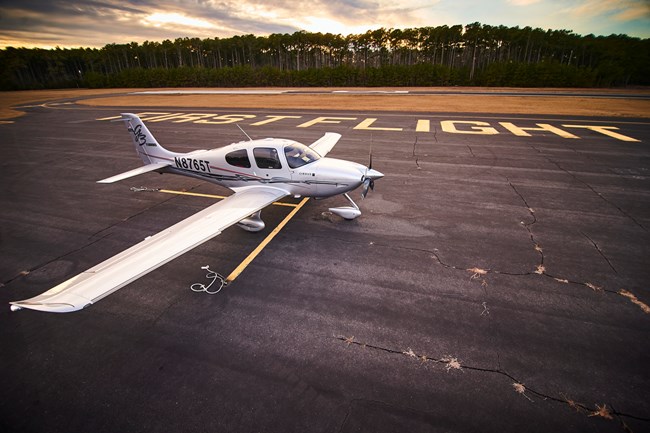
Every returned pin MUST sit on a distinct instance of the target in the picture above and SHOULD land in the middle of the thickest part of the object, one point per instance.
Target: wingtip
(47, 307)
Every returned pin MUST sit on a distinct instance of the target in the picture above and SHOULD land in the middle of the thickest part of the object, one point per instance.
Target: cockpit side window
(298, 155)
(267, 157)
(238, 158)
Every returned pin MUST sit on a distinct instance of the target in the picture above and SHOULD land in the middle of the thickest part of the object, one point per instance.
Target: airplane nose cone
(374, 174)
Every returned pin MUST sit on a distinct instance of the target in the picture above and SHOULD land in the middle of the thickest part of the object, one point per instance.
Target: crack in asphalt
(600, 252)
(606, 410)
(41, 265)
(414, 154)
(528, 226)
(93, 238)
(601, 196)
(130, 217)
(451, 363)
(478, 273)
(540, 269)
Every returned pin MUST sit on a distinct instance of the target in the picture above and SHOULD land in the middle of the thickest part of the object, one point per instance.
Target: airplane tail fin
(146, 145)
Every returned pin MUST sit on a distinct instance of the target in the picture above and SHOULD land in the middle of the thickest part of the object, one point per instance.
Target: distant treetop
(474, 54)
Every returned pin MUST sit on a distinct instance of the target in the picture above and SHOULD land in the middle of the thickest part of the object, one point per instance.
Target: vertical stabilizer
(146, 145)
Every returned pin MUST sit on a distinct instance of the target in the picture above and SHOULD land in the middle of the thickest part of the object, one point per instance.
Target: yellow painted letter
(365, 124)
(521, 132)
(604, 130)
(483, 128)
(424, 125)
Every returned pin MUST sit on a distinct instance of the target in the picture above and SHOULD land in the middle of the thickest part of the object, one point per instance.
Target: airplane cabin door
(269, 166)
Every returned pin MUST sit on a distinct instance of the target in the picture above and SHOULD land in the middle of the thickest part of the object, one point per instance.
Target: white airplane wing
(107, 277)
(326, 143)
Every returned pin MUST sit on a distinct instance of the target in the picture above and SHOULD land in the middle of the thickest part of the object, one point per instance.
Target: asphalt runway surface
(496, 280)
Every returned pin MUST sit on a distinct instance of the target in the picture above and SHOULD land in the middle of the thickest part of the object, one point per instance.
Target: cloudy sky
(95, 23)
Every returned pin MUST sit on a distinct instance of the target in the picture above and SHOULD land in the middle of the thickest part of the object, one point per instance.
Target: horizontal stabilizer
(135, 172)
(326, 143)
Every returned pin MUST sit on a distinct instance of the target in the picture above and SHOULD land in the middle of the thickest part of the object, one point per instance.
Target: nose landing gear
(347, 212)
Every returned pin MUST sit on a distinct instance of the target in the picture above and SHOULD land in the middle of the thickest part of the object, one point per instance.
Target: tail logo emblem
(139, 137)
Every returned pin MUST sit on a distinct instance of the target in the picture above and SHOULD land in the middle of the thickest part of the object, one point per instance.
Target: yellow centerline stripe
(197, 194)
(247, 261)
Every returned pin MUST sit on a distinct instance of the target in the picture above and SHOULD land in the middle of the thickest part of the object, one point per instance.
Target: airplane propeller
(368, 180)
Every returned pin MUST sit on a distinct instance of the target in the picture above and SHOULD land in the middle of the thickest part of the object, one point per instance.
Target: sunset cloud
(95, 23)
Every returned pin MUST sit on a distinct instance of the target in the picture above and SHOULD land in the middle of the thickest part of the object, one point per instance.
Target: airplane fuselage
(284, 163)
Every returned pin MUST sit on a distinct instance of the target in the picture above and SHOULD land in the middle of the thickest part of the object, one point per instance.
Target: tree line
(471, 55)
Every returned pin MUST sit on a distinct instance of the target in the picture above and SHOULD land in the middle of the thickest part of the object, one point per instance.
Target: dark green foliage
(429, 56)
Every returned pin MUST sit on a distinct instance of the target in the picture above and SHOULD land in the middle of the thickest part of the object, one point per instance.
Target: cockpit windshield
(299, 155)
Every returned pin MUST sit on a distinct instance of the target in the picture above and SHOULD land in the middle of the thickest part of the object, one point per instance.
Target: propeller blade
(366, 184)
(368, 181)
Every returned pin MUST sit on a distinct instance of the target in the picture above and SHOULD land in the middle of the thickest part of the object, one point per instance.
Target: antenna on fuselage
(240, 128)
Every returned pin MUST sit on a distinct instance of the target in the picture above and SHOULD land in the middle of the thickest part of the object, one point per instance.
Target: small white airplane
(259, 172)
